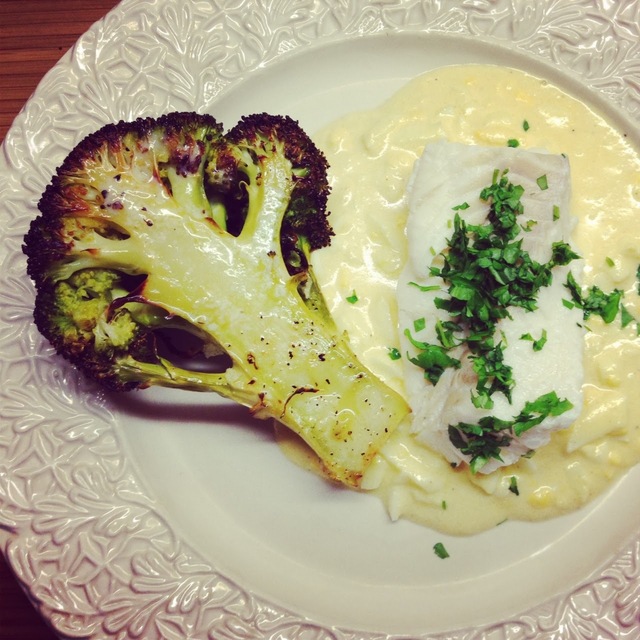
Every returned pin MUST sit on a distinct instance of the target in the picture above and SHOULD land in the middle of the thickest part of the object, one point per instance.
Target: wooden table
(34, 34)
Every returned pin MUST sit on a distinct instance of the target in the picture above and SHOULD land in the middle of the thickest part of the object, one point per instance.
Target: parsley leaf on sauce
(625, 317)
(596, 301)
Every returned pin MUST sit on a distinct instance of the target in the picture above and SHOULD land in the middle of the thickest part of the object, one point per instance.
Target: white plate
(171, 515)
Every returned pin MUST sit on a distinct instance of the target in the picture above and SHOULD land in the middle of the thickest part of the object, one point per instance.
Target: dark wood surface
(34, 34)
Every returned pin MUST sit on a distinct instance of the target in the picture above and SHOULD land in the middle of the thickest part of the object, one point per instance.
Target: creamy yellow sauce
(371, 155)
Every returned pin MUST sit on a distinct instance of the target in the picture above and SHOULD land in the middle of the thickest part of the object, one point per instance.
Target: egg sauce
(371, 155)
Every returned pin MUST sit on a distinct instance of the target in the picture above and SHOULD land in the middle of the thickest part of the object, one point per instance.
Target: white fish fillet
(447, 175)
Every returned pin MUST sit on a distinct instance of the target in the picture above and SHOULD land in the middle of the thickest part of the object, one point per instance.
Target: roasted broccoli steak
(166, 227)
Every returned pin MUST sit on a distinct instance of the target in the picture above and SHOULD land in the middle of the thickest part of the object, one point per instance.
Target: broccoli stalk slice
(269, 187)
(286, 363)
(148, 220)
(189, 189)
(165, 374)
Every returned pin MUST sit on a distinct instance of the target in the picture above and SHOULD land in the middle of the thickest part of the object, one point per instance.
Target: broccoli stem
(287, 363)
(137, 217)
(168, 375)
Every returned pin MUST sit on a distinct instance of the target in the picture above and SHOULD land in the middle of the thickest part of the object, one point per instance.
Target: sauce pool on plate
(372, 155)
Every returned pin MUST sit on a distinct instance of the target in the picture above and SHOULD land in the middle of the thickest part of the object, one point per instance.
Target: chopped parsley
(596, 301)
(493, 375)
(432, 358)
(394, 353)
(440, 551)
(353, 298)
(610, 262)
(445, 332)
(625, 317)
(513, 485)
(419, 324)
(433, 287)
(513, 143)
(542, 182)
(483, 440)
(537, 344)
(525, 125)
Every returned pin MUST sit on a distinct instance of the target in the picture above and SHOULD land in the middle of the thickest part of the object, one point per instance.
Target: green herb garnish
(432, 287)
(445, 332)
(542, 182)
(394, 353)
(432, 358)
(353, 298)
(493, 375)
(513, 143)
(525, 125)
(625, 317)
(484, 440)
(440, 550)
(513, 485)
(461, 207)
(596, 301)
(537, 344)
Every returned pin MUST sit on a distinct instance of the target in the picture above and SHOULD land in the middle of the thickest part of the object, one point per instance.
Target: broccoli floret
(169, 224)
